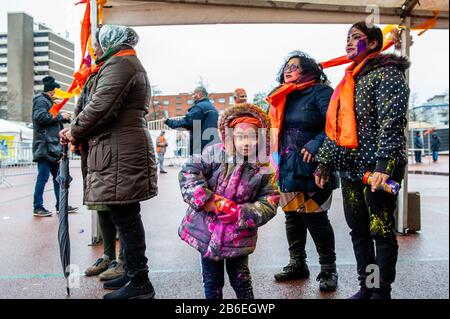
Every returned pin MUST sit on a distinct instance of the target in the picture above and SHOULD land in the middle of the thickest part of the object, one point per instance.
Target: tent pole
(94, 22)
(402, 211)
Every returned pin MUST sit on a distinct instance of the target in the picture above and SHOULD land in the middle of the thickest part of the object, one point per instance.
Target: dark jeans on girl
(128, 220)
(238, 273)
(319, 226)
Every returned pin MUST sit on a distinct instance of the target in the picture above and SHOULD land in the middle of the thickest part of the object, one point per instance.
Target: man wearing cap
(46, 147)
(240, 96)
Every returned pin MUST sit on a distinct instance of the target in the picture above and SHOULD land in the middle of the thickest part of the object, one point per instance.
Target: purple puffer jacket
(252, 186)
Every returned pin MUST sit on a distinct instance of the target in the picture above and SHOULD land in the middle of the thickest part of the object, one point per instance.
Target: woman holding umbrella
(121, 161)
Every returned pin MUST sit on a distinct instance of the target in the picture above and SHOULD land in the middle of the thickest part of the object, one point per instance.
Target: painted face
(358, 47)
(292, 71)
(245, 137)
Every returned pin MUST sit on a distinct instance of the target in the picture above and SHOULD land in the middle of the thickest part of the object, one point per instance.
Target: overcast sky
(230, 56)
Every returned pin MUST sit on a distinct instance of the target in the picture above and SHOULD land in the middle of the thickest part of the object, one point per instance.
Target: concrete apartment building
(28, 53)
(178, 105)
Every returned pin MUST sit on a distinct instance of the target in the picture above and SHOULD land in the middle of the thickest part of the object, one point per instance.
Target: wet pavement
(30, 266)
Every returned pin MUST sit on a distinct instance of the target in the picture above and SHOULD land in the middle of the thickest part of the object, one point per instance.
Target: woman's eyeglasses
(291, 68)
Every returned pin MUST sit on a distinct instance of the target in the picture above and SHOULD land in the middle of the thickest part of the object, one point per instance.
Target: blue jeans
(161, 161)
(435, 156)
(45, 168)
(238, 273)
(418, 156)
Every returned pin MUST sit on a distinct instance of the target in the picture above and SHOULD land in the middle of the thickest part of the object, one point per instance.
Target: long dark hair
(311, 70)
(372, 33)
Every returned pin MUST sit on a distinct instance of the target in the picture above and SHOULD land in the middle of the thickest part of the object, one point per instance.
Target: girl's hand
(210, 207)
(307, 156)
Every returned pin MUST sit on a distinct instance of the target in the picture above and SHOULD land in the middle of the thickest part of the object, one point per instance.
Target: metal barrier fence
(181, 149)
(16, 159)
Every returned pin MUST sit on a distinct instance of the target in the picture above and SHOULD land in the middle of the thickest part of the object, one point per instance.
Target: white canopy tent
(409, 13)
(185, 12)
(20, 132)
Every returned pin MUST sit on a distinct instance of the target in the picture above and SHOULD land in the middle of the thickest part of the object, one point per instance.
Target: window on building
(40, 73)
(166, 102)
(3, 65)
(3, 46)
(40, 53)
(41, 63)
(41, 34)
(179, 98)
(3, 55)
(190, 102)
(222, 101)
(41, 44)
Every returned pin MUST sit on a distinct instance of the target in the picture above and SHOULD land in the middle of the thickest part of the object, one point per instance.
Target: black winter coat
(46, 128)
(303, 127)
(381, 104)
(206, 115)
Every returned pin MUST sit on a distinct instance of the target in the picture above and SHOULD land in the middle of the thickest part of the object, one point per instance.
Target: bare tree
(260, 100)
(413, 111)
(5, 98)
(155, 113)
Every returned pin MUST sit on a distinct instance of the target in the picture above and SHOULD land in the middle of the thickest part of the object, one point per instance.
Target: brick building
(178, 105)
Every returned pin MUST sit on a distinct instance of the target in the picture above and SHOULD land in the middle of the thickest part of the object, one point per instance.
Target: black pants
(370, 217)
(238, 273)
(319, 226)
(109, 235)
(128, 220)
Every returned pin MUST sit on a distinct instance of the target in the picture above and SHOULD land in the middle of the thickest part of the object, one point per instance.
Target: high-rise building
(29, 52)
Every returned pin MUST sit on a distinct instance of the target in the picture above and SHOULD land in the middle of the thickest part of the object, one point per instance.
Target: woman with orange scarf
(298, 109)
(365, 128)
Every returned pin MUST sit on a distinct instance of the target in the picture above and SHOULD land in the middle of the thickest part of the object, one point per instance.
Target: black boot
(363, 294)
(328, 280)
(130, 291)
(381, 293)
(117, 283)
(293, 272)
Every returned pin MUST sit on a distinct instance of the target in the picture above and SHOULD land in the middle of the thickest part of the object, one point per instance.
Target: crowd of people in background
(325, 139)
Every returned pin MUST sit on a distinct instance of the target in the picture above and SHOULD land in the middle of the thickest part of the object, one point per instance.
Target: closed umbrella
(64, 180)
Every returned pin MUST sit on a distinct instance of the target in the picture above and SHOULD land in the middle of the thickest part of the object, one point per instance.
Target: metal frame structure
(408, 13)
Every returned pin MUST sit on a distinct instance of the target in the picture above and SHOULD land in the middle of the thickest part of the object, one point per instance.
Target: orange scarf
(81, 77)
(277, 101)
(341, 120)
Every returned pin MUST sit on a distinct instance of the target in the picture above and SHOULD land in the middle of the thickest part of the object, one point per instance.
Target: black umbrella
(64, 180)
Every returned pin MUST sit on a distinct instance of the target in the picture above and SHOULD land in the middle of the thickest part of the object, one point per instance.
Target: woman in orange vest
(161, 148)
(365, 127)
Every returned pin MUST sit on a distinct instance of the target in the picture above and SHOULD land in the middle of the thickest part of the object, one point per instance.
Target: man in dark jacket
(418, 145)
(435, 146)
(46, 147)
(201, 122)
